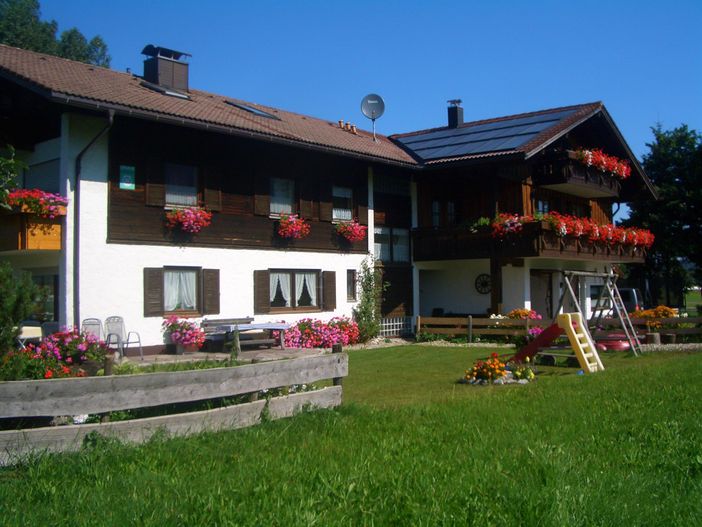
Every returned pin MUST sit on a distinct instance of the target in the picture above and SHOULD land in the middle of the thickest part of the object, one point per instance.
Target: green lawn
(692, 300)
(409, 447)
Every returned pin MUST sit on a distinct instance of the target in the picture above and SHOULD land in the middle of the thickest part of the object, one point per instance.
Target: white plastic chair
(117, 337)
(29, 331)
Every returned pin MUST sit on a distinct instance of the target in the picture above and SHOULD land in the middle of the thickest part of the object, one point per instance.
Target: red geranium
(190, 219)
(352, 231)
(292, 226)
(44, 204)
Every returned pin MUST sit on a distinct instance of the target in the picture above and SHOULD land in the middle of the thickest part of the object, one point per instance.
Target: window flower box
(292, 227)
(186, 335)
(351, 231)
(34, 201)
(189, 219)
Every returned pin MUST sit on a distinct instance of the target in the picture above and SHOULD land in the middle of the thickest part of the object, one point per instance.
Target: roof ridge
(498, 119)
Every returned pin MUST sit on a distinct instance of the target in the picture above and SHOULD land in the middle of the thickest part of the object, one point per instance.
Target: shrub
(17, 302)
(367, 312)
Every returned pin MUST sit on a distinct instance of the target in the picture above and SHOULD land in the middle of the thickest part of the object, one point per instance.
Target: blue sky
(643, 59)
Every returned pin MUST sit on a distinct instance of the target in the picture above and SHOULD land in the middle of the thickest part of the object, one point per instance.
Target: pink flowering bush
(35, 201)
(190, 219)
(183, 332)
(58, 355)
(309, 333)
(352, 231)
(293, 227)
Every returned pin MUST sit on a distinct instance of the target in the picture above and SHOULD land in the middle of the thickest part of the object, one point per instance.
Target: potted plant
(186, 335)
(188, 219)
(291, 226)
(352, 231)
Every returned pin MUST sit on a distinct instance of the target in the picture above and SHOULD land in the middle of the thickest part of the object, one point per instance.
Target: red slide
(543, 340)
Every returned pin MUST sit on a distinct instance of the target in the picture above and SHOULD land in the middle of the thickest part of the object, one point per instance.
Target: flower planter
(181, 349)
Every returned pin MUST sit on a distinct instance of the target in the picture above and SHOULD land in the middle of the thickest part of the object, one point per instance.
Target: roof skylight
(251, 109)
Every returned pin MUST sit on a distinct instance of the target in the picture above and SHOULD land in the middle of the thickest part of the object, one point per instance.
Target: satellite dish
(373, 107)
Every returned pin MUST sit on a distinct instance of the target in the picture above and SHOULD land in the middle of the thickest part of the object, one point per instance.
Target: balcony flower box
(351, 231)
(34, 201)
(293, 227)
(190, 219)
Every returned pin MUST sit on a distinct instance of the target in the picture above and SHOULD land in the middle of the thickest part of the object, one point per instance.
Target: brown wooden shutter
(262, 195)
(325, 201)
(210, 291)
(212, 188)
(155, 183)
(262, 299)
(329, 290)
(307, 192)
(360, 194)
(153, 292)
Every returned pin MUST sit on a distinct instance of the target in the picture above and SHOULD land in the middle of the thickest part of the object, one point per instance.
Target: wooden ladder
(581, 342)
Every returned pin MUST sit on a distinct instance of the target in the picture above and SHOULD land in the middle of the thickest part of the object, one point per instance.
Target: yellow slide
(581, 342)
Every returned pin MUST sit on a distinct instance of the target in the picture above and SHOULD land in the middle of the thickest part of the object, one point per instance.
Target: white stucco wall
(451, 286)
(111, 275)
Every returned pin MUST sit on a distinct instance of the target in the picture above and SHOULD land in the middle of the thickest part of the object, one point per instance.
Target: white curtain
(282, 280)
(181, 185)
(180, 290)
(381, 248)
(299, 286)
(282, 196)
(342, 197)
(311, 279)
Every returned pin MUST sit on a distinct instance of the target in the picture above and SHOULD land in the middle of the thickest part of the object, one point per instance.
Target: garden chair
(117, 337)
(49, 328)
(29, 331)
(92, 326)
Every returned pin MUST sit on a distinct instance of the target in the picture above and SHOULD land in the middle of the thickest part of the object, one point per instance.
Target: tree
(20, 26)
(17, 302)
(674, 164)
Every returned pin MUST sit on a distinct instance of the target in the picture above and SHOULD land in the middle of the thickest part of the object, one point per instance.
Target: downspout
(76, 218)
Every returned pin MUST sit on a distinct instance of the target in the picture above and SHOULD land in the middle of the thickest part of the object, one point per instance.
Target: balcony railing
(564, 173)
(536, 240)
(20, 231)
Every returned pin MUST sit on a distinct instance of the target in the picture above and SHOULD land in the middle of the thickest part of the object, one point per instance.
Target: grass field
(409, 447)
(693, 298)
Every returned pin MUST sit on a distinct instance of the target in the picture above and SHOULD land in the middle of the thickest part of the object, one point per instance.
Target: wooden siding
(601, 211)
(397, 299)
(27, 232)
(234, 183)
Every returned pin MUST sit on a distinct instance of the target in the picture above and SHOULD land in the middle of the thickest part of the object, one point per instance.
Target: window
(351, 286)
(181, 185)
(435, 213)
(180, 290)
(185, 291)
(282, 196)
(542, 206)
(392, 244)
(251, 109)
(293, 289)
(342, 199)
(451, 213)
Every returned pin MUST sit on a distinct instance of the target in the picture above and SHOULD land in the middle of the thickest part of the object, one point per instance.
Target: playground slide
(543, 340)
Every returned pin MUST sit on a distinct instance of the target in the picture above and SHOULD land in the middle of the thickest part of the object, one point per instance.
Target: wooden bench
(216, 338)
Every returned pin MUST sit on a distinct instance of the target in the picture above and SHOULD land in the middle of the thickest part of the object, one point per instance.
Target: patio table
(232, 331)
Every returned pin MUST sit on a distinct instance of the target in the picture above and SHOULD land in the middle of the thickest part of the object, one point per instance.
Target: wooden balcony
(562, 172)
(536, 240)
(20, 231)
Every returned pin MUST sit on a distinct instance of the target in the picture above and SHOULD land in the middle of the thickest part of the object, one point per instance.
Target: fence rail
(472, 327)
(95, 395)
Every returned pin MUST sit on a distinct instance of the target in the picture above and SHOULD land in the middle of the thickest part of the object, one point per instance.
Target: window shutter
(262, 300)
(361, 195)
(212, 188)
(306, 201)
(153, 292)
(210, 291)
(325, 201)
(155, 183)
(262, 195)
(329, 290)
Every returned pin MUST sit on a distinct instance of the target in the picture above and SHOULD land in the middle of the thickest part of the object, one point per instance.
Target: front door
(542, 292)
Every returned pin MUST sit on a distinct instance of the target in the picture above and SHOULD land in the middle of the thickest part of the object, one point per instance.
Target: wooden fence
(95, 395)
(472, 327)
(667, 326)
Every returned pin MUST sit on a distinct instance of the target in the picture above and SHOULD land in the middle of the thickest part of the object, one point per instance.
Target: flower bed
(190, 219)
(495, 371)
(584, 229)
(352, 231)
(291, 226)
(309, 333)
(35, 201)
(62, 354)
(183, 332)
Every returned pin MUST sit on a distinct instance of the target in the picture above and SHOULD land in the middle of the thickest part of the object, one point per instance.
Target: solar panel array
(497, 136)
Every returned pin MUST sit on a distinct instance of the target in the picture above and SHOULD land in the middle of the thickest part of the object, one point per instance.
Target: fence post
(419, 325)
(337, 348)
(470, 328)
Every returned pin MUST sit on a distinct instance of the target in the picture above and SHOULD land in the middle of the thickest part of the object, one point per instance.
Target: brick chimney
(455, 113)
(166, 67)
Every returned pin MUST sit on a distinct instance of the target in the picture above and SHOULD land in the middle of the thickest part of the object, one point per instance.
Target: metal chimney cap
(454, 102)
(157, 51)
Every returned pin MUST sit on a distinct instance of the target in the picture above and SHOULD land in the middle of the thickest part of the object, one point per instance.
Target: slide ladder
(581, 341)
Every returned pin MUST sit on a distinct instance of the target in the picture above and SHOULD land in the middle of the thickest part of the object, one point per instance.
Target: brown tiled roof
(73, 82)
